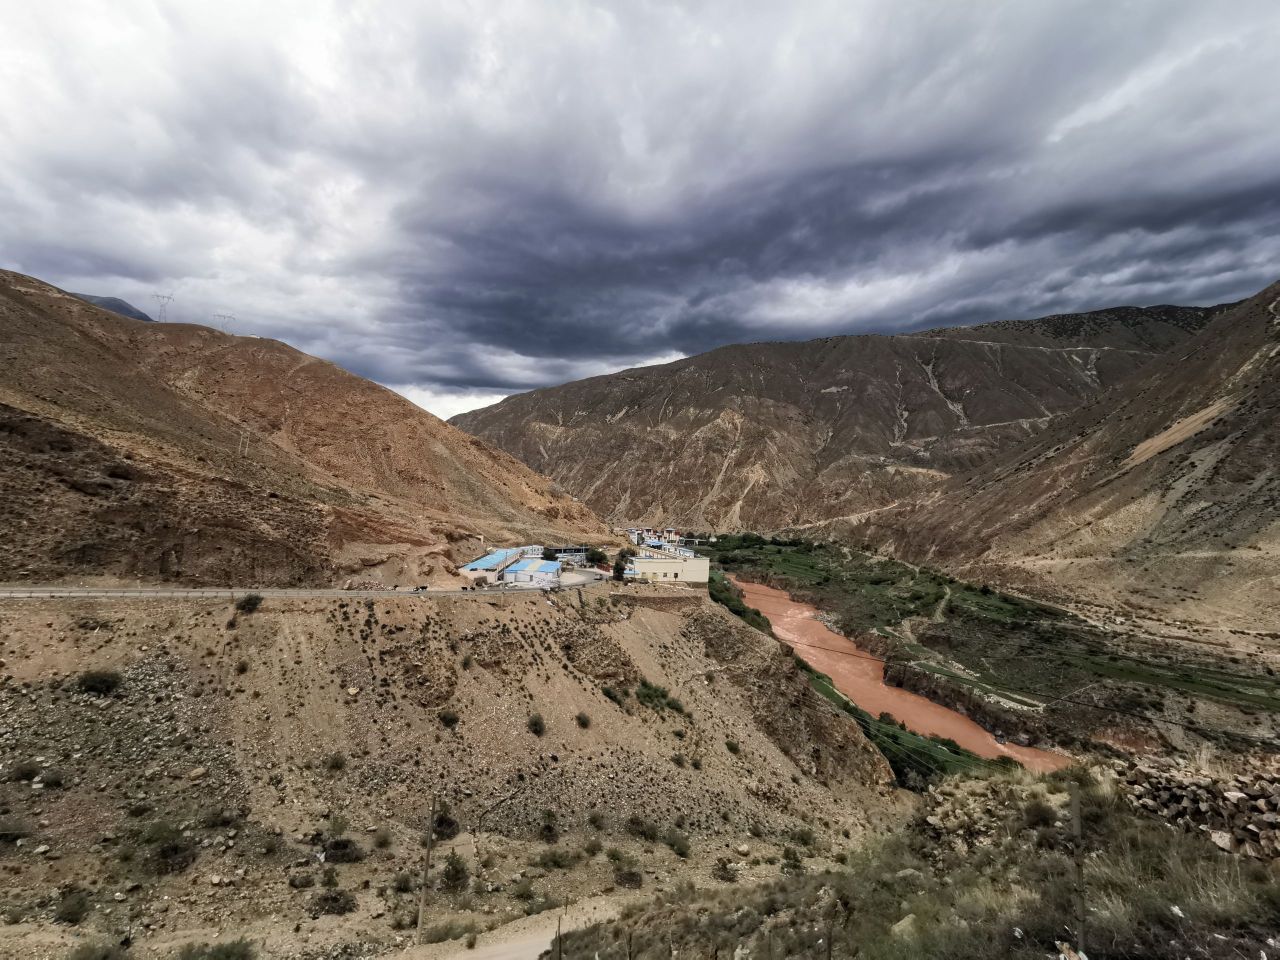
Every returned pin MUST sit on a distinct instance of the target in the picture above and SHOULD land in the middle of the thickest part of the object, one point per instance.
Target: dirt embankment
(188, 790)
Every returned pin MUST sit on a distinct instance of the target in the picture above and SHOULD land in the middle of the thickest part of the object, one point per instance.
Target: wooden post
(426, 871)
(1077, 832)
(559, 942)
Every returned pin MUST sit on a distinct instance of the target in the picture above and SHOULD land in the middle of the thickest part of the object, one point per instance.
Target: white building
(656, 561)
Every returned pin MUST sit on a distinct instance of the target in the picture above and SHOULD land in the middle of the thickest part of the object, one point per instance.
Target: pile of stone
(1240, 813)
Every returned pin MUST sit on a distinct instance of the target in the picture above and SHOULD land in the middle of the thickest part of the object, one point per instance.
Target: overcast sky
(464, 200)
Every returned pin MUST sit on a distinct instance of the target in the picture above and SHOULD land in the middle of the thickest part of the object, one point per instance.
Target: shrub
(302, 881)
(382, 838)
(592, 847)
(53, 779)
(678, 843)
(98, 951)
(100, 683)
(617, 696)
(446, 826)
(455, 875)
(342, 850)
(402, 882)
(448, 930)
(1039, 813)
(12, 830)
(171, 852)
(73, 907)
(335, 762)
(639, 827)
(537, 726)
(333, 902)
(626, 874)
(732, 747)
(596, 819)
(449, 718)
(678, 759)
(556, 859)
(249, 602)
(724, 871)
(242, 666)
(584, 721)
(791, 862)
(24, 770)
(550, 830)
(232, 950)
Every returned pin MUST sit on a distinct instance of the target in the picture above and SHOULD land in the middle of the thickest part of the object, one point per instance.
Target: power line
(224, 319)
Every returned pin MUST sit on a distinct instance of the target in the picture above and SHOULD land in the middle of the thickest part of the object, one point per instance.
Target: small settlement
(519, 566)
(660, 555)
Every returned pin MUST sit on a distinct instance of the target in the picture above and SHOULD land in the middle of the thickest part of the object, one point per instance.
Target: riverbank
(860, 677)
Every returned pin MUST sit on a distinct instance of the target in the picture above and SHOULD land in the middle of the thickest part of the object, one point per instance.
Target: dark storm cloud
(463, 202)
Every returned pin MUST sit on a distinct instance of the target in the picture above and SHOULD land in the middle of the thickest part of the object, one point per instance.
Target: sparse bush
(402, 882)
(342, 850)
(537, 726)
(24, 771)
(550, 829)
(232, 950)
(592, 847)
(332, 902)
(170, 852)
(448, 930)
(449, 718)
(455, 875)
(639, 827)
(382, 838)
(732, 747)
(12, 830)
(678, 842)
(584, 721)
(556, 859)
(73, 907)
(446, 826)
(242, 666)
(1039, 813)
(617, 696)
(678, 759)
(98, 951)
(302, 881)
(335, 762)
(100, 683)
(249, 602)
(792, 865)
(724, 871)
(596, 820)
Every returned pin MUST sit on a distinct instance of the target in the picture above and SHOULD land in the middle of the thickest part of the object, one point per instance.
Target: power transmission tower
(163, 299)
(223, 319)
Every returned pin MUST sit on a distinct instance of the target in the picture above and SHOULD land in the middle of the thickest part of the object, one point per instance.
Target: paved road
(573, 581)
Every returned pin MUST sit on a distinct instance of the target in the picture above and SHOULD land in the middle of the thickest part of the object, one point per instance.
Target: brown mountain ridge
(769, 436)
(132, 449)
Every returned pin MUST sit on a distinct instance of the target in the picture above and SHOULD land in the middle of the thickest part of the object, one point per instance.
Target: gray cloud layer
(468, 200)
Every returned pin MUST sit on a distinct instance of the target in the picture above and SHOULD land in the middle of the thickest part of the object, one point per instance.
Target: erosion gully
(861, 679)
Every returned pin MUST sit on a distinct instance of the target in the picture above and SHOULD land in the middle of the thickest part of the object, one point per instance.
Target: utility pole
(163, 299)
(559, 942)
(1077, 833)
(426, 871)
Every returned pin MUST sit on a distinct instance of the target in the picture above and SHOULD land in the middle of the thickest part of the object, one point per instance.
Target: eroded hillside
(150, 450)
(1161, 497)
(771, 435)
(173, 770)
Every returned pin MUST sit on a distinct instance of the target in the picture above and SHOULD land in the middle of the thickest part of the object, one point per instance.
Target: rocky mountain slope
(132, 449)
(1163, 493)
(772, 435)
(175, 771)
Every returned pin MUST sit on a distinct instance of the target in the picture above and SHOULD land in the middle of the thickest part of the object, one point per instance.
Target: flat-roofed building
(533, 571)
(660, 562)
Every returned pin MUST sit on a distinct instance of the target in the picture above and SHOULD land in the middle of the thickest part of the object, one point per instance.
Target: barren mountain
(774, 435)
(1164, 490)
(115, 305)
(134, 449)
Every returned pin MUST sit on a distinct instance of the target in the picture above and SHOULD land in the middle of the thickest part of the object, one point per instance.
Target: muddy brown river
(862, 680)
